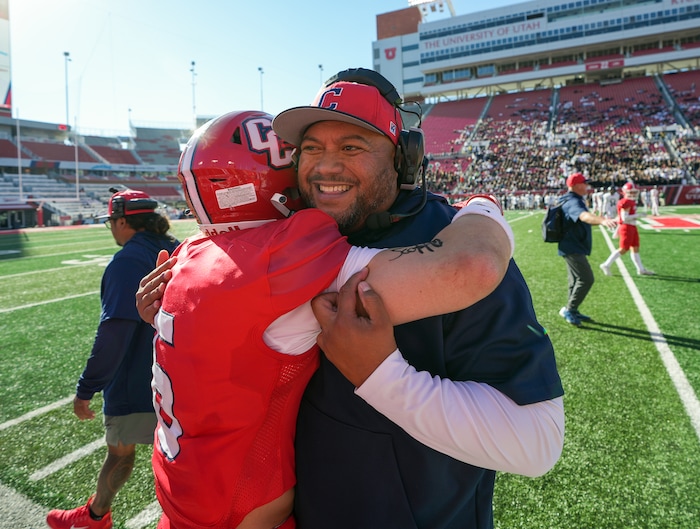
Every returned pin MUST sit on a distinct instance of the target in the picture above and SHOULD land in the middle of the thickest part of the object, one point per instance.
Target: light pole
(66, 57)
(320, 74)
(194, 108)
(77, 161)
(19, 159)
(261, 86)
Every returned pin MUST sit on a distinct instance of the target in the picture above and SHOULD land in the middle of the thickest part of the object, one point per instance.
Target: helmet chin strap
(279, 200)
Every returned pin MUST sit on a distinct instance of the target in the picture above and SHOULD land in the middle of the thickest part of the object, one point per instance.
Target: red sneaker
(78, 518)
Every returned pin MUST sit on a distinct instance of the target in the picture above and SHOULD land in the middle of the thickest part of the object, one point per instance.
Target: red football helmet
(630, 190)
(238, 174)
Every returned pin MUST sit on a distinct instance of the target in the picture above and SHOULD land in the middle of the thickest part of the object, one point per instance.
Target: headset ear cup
(118, 207)
(400, 159)
(410, 152)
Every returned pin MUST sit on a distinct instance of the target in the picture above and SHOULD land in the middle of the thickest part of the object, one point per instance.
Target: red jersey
(226, 402)
(629, 235)
(627, 204)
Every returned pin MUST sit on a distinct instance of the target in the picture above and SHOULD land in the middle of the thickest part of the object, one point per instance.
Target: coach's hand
(82, 410)
(356, 333)
(152, 286)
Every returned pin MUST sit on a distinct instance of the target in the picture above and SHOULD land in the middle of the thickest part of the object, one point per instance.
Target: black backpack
(553, 223)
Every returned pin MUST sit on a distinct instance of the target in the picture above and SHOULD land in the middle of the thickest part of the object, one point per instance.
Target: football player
(627, 231)
(654, 197)
(236, 335)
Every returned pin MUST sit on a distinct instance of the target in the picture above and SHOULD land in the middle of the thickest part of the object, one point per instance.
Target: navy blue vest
(358, 470)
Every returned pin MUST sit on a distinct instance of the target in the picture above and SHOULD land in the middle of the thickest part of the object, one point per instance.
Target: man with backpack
(575, 245)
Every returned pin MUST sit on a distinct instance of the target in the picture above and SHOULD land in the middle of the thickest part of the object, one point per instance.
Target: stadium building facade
(543, 43)
(512, 99)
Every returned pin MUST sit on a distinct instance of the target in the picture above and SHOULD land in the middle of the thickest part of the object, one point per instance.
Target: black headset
(410, 161)
(120, 205)
(410, 149)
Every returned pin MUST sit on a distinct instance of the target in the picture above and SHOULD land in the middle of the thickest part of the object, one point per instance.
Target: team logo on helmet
(236, 173)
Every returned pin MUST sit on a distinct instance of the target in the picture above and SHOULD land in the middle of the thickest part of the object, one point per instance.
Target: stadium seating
(8, 149)
(116, 156)
(111, 150)
(521, 106)
(448, 124)
(599, 129)
(684, 88)
(630, 105)
(55, 152)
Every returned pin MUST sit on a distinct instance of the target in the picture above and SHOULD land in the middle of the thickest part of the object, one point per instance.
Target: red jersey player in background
(236, 340)
(627, 231)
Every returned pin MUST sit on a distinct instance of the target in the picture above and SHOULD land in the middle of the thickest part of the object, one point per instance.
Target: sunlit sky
(132, 58)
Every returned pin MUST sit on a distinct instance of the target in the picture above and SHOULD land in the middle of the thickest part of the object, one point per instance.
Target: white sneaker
(645, 272)
(605, 269)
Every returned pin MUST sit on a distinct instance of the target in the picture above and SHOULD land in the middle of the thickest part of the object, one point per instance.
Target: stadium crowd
(612, 133)
(525, 157)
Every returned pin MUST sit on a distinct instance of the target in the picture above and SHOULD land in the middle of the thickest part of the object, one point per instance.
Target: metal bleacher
(146, 161)
(57, 196)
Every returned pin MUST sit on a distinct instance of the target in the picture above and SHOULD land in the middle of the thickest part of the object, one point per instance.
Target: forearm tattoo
(422, 248)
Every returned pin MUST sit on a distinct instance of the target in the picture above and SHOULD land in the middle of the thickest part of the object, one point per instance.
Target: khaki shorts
(136, 428)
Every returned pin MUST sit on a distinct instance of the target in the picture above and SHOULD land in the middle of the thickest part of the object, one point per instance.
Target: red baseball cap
(355, 103)
(575, 178)
(128, 202)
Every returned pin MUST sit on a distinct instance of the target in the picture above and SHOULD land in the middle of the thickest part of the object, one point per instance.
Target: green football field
(632, 376)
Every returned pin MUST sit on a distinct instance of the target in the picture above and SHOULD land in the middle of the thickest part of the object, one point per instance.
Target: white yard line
(43, 255)
(35, 413)
(19, 512)
(30, 305)
(63, 462)
(680, 381)
(58, 269)
(147, 516)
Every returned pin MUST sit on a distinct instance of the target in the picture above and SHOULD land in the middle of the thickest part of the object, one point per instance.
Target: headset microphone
(379, 221)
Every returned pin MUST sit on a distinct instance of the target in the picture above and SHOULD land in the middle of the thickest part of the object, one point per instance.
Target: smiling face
(347, 172)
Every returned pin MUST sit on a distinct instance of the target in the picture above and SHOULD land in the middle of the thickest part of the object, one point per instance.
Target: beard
(371, 199)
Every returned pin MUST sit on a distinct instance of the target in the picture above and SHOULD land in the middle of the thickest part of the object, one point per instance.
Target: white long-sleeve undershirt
(629, 219)
(469, 421)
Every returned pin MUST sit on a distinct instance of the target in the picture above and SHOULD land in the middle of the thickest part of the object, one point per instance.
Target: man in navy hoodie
(409, 433)
(122, 354)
